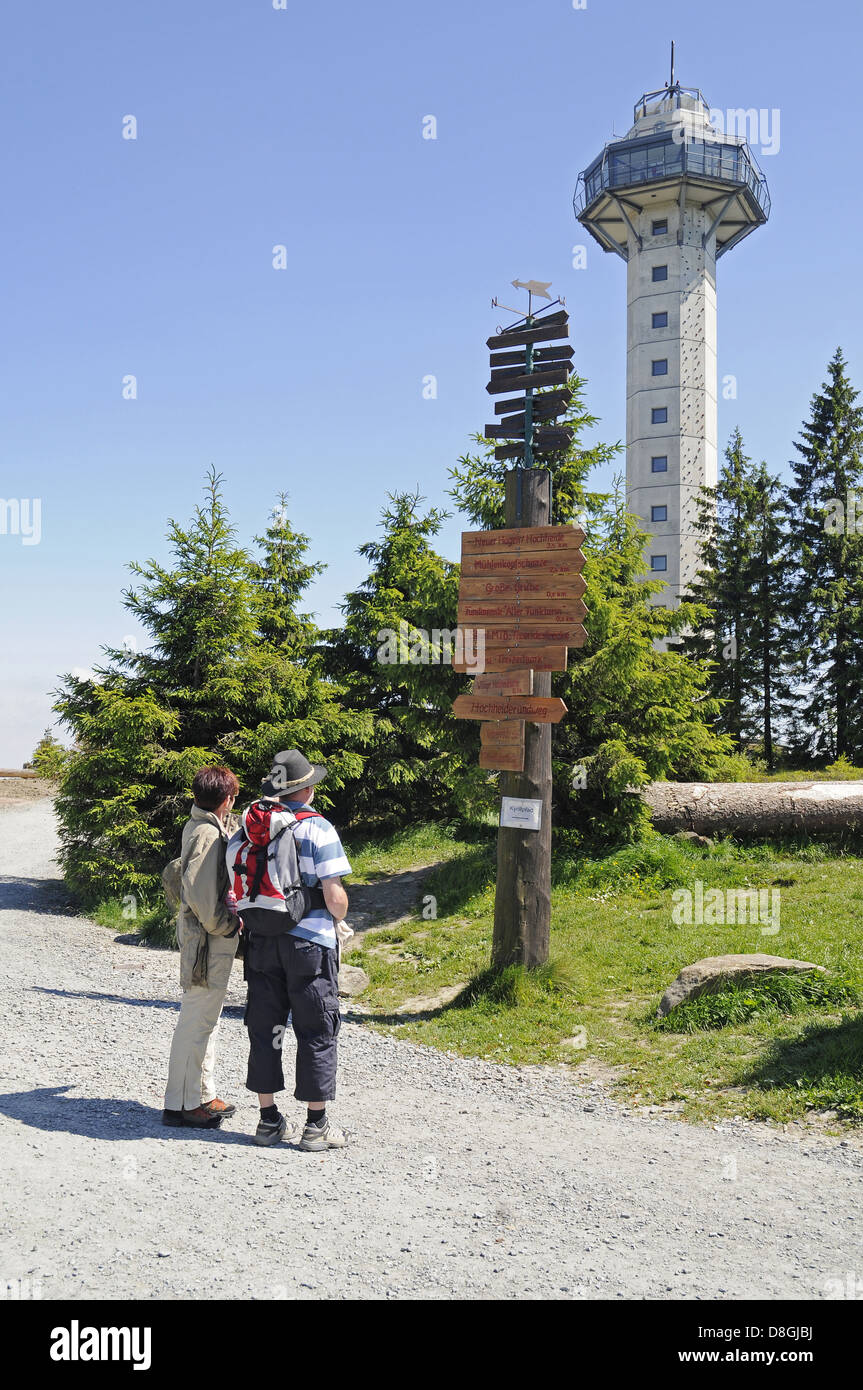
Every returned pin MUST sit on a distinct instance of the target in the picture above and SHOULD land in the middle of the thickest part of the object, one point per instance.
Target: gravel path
(467, 1180)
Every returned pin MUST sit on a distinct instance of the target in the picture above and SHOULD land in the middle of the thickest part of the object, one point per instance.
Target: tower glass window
(660, 320)
(660, 272)
(659, 227)
(659, 562)
(659, 415)
(658, 513)
(659, 366)
(659, 463)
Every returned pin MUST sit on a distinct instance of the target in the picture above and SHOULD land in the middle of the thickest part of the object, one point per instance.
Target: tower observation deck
(670, 198)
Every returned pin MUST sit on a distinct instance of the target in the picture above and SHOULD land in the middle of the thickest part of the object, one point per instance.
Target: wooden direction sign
(519, 682)
(513, 425)
(501, 733)
(508, 758)
(522, 540)
(534, 334)
(514, 359)
(555, 438)
(509, 451)
(527, 381)
(504, 658)
(568, 562)
(502, 745)
(513, 428)
(541, 404)
(473, 612)
(523, 586)
(527, 635)
(537, 709)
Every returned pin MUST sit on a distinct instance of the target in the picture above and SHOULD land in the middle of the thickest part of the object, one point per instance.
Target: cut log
(755, 808)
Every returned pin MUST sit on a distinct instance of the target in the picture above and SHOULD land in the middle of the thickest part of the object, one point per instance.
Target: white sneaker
(317, 1138)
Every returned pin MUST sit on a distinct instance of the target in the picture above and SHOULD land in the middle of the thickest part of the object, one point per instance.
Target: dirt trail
(466, 1179)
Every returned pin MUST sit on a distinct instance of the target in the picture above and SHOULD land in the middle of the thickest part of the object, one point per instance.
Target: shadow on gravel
(48, 896)
(229, 1010)
(49, 1108)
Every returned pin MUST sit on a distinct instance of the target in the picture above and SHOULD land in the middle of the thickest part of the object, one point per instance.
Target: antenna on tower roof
(671, 83)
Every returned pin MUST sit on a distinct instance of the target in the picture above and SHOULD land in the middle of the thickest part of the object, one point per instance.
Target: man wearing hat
(287, 864)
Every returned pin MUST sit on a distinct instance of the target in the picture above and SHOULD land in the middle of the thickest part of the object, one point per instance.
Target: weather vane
(538, 288)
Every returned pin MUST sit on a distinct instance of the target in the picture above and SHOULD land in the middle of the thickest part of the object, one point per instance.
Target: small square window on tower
(659, 366)
(660, 320)
(660, 227)
(660, 272)
(659, 463)
(659, 562)
(659, 415)
(658, 513)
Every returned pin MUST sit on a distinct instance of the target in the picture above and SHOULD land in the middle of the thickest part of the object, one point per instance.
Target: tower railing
(626, 164)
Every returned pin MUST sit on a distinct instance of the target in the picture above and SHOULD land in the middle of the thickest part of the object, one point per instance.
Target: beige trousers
(191, 1067)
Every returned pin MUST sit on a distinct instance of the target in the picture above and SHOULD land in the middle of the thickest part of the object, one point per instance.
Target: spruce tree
(827, 592)
(210, 687)
(282, 573)
(393, 660)
(742, 584)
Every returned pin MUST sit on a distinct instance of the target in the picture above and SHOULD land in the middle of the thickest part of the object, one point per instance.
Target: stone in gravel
(708, 974)
(352, 980)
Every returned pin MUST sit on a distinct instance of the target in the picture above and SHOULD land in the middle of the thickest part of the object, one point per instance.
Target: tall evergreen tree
(282, 573)
(742, 584)
(210, 687)
(827, 594)
(392, 659)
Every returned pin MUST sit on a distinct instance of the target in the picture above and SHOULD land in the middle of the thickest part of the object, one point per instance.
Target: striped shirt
(321, 856)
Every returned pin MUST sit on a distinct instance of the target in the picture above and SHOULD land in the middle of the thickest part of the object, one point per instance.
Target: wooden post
(522, 904)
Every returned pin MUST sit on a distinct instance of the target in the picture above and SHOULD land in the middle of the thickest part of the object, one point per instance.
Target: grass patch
(155, 925)
(739, 1001)
(374, 856)
(615, 948)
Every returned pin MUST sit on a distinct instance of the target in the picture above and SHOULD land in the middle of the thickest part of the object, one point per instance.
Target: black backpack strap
(316, 893)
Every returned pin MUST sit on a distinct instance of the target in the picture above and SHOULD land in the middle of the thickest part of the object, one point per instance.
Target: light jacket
(203, 914)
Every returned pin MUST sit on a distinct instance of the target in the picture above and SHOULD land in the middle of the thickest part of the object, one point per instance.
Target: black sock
(316, 1117)
(270, 1113)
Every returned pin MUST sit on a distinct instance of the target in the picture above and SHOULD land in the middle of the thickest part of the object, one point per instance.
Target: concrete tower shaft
(670, 198)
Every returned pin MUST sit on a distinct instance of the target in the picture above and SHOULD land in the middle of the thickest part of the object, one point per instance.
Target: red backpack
(257, 881)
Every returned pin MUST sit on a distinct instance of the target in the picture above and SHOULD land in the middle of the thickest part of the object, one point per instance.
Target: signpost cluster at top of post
(521, 588)
(521, 604)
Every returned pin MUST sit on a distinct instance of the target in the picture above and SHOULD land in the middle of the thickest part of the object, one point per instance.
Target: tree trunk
(754, 808)
(522, 903)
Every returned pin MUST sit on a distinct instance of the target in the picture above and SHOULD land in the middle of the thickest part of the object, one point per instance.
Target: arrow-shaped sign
(539, 287)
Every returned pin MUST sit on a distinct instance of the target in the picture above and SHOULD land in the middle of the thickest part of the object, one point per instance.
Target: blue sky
(302, 127)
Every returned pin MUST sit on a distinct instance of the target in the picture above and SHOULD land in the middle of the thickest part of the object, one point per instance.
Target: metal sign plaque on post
(521, 813)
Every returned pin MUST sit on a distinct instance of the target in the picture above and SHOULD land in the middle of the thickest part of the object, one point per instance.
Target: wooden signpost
(520, 606)
(512, 683)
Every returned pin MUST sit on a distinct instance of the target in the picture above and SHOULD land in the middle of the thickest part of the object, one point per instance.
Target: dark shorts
(289, 975)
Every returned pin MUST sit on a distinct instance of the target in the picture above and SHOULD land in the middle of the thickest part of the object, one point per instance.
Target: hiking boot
(219, 1107)
(200, 1118)
(317, 1138)
(270, 1131)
